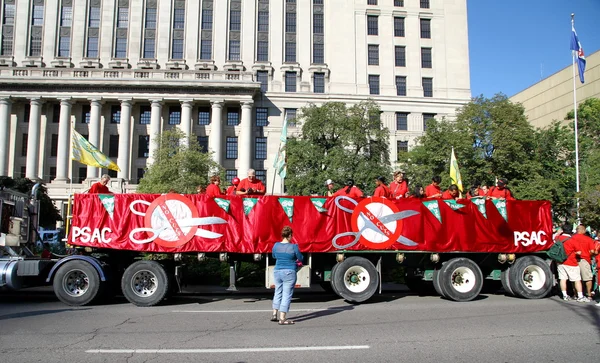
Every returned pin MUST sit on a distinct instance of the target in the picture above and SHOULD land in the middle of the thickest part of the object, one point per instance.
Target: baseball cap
(328, 181)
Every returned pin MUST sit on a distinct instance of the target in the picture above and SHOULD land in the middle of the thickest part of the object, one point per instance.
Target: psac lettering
(87, 235)
(529, 238)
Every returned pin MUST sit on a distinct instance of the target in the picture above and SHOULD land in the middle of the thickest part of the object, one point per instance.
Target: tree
(177, 166)
(338, 142)
(48, 214)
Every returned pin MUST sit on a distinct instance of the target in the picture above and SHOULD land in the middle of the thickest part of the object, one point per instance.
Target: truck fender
(91, 260)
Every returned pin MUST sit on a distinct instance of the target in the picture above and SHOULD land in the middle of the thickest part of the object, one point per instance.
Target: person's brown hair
(286, 232)
(214, 178)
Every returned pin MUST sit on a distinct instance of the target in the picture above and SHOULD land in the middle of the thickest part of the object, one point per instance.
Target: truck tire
(436, 281)
(460, 279)
(76, 283)
(530, 277)
(356, 279)
(505, 280)
(145, 283)
(332, 279)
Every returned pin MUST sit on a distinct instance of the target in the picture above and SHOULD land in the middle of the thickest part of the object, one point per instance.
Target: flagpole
(274, 176)
(575, 121)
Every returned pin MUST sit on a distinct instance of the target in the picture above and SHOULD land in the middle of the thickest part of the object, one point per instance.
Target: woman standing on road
(287, 255)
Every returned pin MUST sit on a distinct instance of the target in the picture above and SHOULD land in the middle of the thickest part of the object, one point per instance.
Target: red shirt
(231, 190)
(354, 192)
(212, 190)
(570, 247)
(382, 191)
(398, 190)
(446, 195)
(432, 191)
(257, 185)
(586, 244)
(99, 188)
(500, 193)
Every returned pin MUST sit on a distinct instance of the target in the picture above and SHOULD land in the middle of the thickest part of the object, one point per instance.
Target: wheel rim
(76, 283)
(463, 279)
(357, 279)
(533, 277)
(144, 283)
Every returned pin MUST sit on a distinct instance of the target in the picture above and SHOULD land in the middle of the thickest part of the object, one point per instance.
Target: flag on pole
(578, 51)
(454, 172)
(88, 154)
(280, 163)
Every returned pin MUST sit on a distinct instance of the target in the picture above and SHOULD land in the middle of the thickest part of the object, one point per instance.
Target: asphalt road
(394, 327)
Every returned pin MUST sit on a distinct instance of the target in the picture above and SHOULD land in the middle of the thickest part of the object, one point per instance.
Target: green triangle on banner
(288, 206)
(480, 204)
(249, 203)
(501, 207)
(108, 201)
(434, 208)
(454, 204)
(319, 203)
(223, 203)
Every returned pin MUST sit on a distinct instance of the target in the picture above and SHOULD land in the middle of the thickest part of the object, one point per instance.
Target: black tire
(145, 283)
(332, 280)
(436, 281)
(356, 279)
(505, 280)
(531, 278)
(76, 283)
(460, 279)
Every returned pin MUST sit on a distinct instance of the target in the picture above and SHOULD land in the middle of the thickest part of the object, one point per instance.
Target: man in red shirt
(381, 190)
(398, 187)
(350, 190)
(587, 248)
(231, 190)
(100, 187)
(251, 185)
(500, 191)
(569, 269)
(451, 193)
(433, 190)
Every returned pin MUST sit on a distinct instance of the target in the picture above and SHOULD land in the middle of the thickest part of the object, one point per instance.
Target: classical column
(5, 106)
(245, 142)
(64, 141)
(154, 129)
(33, 139)
(186, 119)
(124, 140)
(94, 133)
(216, 132)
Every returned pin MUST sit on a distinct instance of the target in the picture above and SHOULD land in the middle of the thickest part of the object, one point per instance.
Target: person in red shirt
(587, 248)
(399, 187)
(476, 191)
(381, 190)
(418, 192)
(350, 190)
(433, 190)
(251, 185)
(213, 189)
(100, 187)
(500, 191)
(569, 269)
(451, 193)
(231, 190)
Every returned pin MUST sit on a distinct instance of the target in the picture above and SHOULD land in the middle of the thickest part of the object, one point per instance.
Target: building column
(33, 139)
(5, 106)
(186, 119)
(64, 141)
(245, 141)
(216, 131)
(94, 133)
(124, 140)
(155, 128)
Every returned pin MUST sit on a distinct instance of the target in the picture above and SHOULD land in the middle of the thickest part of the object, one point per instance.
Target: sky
(515, 43)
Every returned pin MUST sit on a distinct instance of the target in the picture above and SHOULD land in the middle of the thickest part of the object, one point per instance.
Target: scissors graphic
(183, 223)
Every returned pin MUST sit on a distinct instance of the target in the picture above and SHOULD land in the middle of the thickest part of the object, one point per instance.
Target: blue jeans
(285, 280)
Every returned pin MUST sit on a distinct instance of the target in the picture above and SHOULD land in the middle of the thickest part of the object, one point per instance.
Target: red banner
(198, 223)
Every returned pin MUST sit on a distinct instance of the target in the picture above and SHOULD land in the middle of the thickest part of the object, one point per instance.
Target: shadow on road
(588, 311)
(322, 313)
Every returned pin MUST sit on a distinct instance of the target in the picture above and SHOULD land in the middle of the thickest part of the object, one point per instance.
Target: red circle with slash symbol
(373, 209)
(163, 214)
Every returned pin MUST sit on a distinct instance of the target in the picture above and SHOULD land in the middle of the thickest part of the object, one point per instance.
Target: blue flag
(578, 51)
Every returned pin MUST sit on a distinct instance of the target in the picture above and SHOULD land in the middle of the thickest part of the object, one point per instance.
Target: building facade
(225, 71)
(552, 98)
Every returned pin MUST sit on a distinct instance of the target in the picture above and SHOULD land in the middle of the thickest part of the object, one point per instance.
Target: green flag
(501, 206)
(288, 206)
(454, 204)
(434, 208)
(319, 203)
(280, 163)
(108, 201)
(480, 203)
(223, 203)
(249, 203)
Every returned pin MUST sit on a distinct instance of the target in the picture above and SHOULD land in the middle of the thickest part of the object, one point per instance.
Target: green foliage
(48, 213)
(178, 167)
(338, 142)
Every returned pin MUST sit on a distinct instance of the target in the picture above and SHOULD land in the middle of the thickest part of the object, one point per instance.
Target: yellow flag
(454, 172)
(88, 154)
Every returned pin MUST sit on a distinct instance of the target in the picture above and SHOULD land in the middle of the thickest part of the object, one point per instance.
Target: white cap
(329, 181)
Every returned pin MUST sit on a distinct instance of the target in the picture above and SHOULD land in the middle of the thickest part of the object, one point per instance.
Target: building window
(230, 174)
(290, 22)
(150, 18)
(426, 28)
(26, 112)
(400, 56)
(317, 2)
(262, 51)
(233, 116)
(373, 84)
(145, 115)
(123, 18)
(24, 144)
(94, 21)
(207, 19)
(263, 21)
(204, 116)
(234, 50)
(290, 51)
(9, 14)
(203, 143)
(371, 2)
(113, 146)
(402, 146)
(372, 25)
(318, 53)
(424, 4)
(398, 27)
(55, 113)
(38, 15)
(7, 44)
(318, 27)
(52, 175)
(290, 116)
(426, 57)
(149, 48)
(231, 147)
(86, 111)
(262, 77)
(206, 49)
(64, 46)
(121, 48)
(427, 117)
(235, 20)
(115, 114)
(92, 47)
(319, 83)
(260, 148)
(54, 145)
(143, 146)
(35, 45)
(174, 115)
(262, 116)
(66, 16)
(373, 54)
(401, 121)
(177, 51)
(427, 87)
(261, 175)
(179, 18)
(82, 175)
(140, 174)
(399, 3)
(290, 81)
(401, 85)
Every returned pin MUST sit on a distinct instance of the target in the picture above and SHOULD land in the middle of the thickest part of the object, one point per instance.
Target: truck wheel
(505, 280)
(460, 279)
(436, 281)
(530, 277)
(76, 283)
(145, 283)
(332, 279)
(356, 279)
